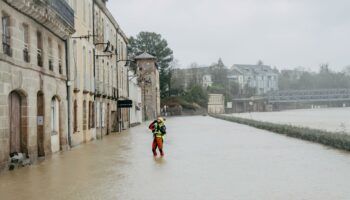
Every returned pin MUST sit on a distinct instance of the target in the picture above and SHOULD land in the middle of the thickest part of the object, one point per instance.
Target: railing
(26, 56)
(50, 63)
(39, 58)
(6, 45)
(309, 95)
(60, 70)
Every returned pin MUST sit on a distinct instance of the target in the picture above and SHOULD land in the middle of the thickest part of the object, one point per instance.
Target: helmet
(160, 119)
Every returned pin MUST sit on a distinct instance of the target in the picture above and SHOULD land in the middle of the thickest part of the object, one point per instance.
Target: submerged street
(205, 158)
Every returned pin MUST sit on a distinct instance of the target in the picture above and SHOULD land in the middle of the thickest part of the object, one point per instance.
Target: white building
(261, 77)
(136, 96)
(207, 81)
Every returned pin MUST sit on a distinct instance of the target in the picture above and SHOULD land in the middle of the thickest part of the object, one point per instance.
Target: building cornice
(104, 9)
(47, 15)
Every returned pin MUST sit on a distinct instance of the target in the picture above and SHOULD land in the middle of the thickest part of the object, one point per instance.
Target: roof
(145, 55)
(252, 69)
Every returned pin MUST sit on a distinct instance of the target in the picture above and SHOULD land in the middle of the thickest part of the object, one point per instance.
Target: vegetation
(178, 100)
(155, 45)
(302, 80)
(333, 139)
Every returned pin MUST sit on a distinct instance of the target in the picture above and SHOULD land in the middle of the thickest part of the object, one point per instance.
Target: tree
(219, 73)
(155, 45)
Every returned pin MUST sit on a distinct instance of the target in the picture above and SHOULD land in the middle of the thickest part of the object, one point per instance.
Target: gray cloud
(282, 33)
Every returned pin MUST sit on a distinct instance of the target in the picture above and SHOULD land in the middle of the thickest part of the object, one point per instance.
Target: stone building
(122, 77)
(216, 104)
(110, 71)
(33, 73)
(82, 74)
(148, 78)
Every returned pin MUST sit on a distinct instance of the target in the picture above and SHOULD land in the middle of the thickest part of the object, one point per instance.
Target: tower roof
(144, 55)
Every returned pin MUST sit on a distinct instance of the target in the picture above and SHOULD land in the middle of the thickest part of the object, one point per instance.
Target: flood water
(205, 159)
(330, 119)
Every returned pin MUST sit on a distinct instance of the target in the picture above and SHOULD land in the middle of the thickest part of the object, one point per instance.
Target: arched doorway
(55, 135)
(40, 124)
(17, 110)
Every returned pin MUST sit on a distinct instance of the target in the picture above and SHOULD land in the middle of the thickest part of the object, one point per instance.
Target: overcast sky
(281, 33)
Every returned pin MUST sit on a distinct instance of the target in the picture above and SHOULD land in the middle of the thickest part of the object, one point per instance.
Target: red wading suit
(159, 130)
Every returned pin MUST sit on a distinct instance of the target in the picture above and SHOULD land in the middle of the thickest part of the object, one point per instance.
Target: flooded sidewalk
(205, 158)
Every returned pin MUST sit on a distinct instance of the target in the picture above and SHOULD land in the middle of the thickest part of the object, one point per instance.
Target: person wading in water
(159, 130)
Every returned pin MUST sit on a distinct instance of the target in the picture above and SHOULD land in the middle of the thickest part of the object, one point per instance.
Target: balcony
(7, 49)
(39, 58)
(55, 15)
(60, 69)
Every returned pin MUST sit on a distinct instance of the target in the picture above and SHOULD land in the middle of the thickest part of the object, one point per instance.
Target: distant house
(207, 81)
(261, 77)
(216, 104)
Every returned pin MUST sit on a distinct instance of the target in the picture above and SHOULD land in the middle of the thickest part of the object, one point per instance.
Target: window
(50, 55)
(98, 109)
(26, 56)
(6, 45)
(60, 57)
(85, 69)
(54, 116)
(76, 74)
(84, 11)
(93, 115)
(90, 17)
(103, 112)
(39, 49)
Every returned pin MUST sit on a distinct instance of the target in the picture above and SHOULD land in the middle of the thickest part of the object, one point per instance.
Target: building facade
(216, 104)
(122, 77)
(260, 77)
(148, 79)
(82, 74)
(110, 71)
(33, 67)
(135, 95)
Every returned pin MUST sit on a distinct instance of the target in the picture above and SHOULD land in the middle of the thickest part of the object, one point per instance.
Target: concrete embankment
(332, 139)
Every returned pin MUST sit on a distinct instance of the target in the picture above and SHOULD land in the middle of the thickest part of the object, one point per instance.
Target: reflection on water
(159, 160)
(331, 119)
(205, 159)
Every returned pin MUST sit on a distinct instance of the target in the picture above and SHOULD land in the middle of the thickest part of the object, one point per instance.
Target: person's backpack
(163, 130)
(152, 127)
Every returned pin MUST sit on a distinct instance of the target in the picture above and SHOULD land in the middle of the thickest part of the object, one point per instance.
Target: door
(55, 136)
(114, 121)
(40, 124)
(15, 122)
(108, 116)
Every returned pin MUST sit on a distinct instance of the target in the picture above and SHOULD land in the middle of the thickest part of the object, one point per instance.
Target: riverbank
(328, 119)
(332, 139)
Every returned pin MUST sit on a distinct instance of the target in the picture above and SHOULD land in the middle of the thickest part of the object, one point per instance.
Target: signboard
(229, 104)
(40, 120)
(124, 103)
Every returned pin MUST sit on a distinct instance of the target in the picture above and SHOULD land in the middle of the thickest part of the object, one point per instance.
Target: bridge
(320, 95)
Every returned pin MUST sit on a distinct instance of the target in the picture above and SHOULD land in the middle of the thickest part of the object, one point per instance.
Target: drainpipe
(117, 78)
(127, 78)
(69, 95)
